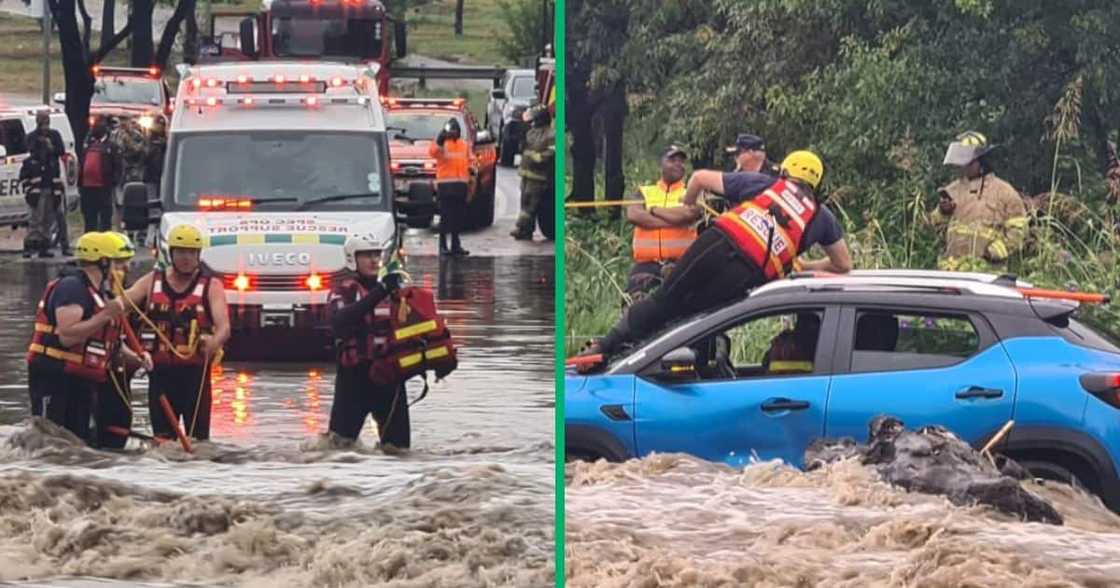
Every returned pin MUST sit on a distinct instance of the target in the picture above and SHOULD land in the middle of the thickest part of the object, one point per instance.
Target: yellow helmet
(804, 166)
(93, 247)
(966, 148)
(122, 246)
(185, 236)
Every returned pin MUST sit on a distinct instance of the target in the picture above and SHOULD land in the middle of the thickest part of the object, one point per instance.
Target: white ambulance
(277, 163)
(15, 124)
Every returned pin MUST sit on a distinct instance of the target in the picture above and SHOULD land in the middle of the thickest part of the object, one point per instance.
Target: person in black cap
(749, 152)
(663, 229)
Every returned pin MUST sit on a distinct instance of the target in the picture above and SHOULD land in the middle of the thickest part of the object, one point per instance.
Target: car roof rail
(1004, 285)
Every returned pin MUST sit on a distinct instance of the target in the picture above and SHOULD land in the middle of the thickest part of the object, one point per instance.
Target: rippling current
(270, 502)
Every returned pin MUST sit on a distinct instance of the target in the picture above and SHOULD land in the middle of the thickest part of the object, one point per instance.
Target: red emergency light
(315, 282)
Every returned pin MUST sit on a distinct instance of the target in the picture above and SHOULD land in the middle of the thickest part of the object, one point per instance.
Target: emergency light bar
(99, 70)
(423, 102)
(277, 84)
(214, 101)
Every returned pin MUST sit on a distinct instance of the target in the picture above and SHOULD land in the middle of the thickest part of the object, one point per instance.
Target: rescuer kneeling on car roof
(453, 162)
(188, 306)
(384, 334)
(756, 242)
(76, 336)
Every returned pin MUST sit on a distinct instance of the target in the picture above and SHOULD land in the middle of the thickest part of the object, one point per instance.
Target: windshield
(296, 166)
(317, 37)
(420, 125)
(523, 87)
(126, 91)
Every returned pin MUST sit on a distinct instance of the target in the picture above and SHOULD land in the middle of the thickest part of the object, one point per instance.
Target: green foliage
(525, 22)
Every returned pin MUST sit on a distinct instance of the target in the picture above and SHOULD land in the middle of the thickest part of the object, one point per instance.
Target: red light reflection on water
(232, 414)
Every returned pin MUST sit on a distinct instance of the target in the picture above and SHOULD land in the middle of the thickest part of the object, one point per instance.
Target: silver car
(517, 91)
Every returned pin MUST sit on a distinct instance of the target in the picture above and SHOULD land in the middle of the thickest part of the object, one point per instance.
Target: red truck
(350, 30)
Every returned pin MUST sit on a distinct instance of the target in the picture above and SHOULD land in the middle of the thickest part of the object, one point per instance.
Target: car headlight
(146, 122)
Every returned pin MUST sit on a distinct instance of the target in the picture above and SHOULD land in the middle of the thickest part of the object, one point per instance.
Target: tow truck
(413, 124)
(276, 163)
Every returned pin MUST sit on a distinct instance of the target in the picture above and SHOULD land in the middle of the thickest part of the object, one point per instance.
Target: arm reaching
(839, 260)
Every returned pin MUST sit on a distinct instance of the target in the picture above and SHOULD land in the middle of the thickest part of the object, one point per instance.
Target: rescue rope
(119, 289)
(120, 392)
(602, 203)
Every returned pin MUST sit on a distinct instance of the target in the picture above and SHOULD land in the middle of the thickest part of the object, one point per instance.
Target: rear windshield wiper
(402, 133)
(336, 198)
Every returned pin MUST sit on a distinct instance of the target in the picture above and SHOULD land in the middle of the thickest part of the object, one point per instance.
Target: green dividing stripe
(277, 238)
(560, 50)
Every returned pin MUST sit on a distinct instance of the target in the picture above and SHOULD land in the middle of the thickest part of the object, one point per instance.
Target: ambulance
(15, 125)
(277, 163)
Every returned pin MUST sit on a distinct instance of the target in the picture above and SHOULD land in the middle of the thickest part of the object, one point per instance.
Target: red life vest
(88, 360)
(769, 227)
(403, 337)
(182, 318)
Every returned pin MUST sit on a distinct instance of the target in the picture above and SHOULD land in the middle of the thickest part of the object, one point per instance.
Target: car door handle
(784, 404)
(978, 392)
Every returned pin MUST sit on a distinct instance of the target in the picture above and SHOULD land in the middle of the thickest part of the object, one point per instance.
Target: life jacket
(453, 161)
(182, 318)
(88, 360)
(667, 244)
(769, 227)
(93, 166)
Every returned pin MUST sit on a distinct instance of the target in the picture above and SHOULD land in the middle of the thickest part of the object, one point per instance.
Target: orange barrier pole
(170, 414)
(579, 360)
(130, 336)
(123, 432)
(1062, 295)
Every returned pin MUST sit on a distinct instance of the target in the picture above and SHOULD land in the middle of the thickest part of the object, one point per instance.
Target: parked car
(413, 124)
(969, 352)
(516, 92)
(14, 127)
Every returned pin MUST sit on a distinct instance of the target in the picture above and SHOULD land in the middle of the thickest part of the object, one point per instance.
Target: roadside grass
(431, 27)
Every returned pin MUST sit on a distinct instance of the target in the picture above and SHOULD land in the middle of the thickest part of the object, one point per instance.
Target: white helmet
(361, 242)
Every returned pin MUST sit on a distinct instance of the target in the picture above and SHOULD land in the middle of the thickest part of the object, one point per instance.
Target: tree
(458, 18)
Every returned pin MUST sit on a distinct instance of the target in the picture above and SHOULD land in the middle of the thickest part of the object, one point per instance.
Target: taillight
(314, 282)
(1105, 386)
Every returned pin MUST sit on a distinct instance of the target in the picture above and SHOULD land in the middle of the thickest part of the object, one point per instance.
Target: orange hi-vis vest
(769, 227)
(182, 318)
(88, 360)
(667, 244)
(453, 161)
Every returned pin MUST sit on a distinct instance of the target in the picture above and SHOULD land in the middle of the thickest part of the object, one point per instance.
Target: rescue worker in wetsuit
(76, 335)
(113, 408)
(986, 217)
(663, 229)
(537, 171)
(453, 168)
(758, 241)
(188, 305)
(360, 322)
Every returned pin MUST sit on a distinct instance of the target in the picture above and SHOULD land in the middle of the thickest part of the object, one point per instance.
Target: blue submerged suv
(813, 357)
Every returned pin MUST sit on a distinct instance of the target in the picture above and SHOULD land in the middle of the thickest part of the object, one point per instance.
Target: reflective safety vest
(667, 244)
(182, 318)
(88, 360)
(769, 227)
(453, 161)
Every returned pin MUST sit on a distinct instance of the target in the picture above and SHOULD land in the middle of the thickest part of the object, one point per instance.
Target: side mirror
(400, 37)
(498, 94)
(135, 213)
(247, 37)
(60, 97)
(679, 364)
(484, 138)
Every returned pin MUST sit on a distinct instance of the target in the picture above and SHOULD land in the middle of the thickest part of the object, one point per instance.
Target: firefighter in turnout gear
(76, 335)
(663, 229)
(536, 171)
(773, 222)
(385, 332)
(986, 218)
(187, 322)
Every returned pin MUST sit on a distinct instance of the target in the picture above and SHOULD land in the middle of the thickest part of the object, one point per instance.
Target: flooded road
(673, 520)
(269, 502)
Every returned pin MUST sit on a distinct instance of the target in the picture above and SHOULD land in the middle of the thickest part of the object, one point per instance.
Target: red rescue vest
(181, 317)
(403, 337)
(88, 360)
(769, 227)
(93, 167)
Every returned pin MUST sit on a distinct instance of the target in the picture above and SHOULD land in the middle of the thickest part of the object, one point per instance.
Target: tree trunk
(87, 27)
(579, 114)
(458, 18)
(614, 118)
(108, 22)
(76, 70)
(143, 49)
(170, 30)
(190, 40)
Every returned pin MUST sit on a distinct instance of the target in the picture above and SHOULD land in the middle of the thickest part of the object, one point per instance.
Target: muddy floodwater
(268, 502)
(673, 520)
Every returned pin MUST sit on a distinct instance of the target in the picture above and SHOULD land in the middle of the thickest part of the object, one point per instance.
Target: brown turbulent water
(270, 503)
(673, 520)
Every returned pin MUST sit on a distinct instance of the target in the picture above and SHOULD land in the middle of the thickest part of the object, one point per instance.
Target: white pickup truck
(15, 124)
(277, 163)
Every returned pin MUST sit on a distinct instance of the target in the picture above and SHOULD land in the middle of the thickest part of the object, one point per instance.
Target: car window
(889, 341)
(13, 137)
(1089, 331)
(523, 87)
(774, 344)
